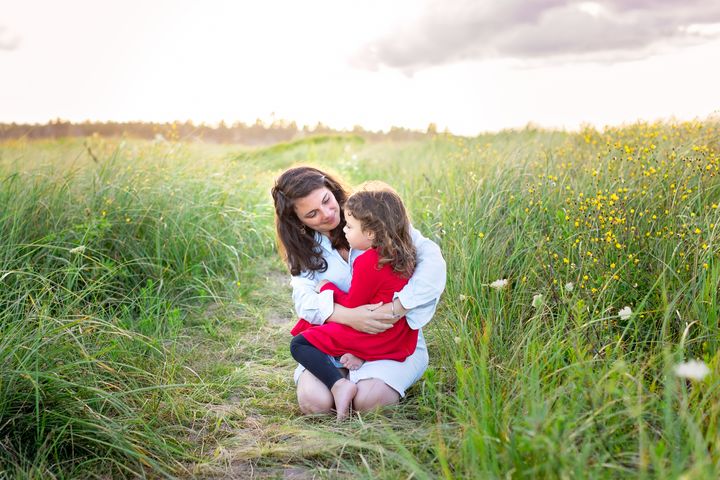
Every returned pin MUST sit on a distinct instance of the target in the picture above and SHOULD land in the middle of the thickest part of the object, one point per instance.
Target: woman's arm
(367, 318)
(317, 308)
(420, 296)
(312, 306)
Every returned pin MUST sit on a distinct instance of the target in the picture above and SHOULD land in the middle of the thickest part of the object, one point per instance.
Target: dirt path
(258, 427)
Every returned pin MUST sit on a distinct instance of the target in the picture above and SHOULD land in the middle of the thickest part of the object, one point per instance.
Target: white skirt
(397, 375)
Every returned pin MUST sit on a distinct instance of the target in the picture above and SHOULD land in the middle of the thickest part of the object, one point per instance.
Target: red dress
(368, 285)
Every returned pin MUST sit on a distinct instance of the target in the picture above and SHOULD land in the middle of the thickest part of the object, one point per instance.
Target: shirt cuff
(326, 304)
(406, 300)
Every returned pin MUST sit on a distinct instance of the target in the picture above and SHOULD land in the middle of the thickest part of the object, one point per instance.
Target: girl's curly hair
(380, 210)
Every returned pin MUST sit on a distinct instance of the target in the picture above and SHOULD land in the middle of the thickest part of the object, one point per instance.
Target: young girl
(376, 221)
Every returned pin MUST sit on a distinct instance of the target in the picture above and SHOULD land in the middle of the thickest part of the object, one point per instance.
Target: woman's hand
(371, 318)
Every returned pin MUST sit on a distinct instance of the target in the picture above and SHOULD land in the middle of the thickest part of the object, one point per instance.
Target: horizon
(285, 123)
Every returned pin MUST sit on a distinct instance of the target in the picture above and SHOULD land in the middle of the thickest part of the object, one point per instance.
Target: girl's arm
(366, 279)
(352, 308)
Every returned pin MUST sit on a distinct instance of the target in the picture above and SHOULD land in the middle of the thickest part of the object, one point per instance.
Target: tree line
(259, 133)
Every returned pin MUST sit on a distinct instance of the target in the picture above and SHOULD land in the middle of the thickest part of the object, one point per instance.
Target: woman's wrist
(398, 310)
(341, 315)
(394, 311)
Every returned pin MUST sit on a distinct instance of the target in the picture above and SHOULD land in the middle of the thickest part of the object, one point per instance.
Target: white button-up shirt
(420, 296)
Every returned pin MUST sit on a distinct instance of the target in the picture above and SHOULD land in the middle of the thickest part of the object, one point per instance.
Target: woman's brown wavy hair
(380, 210)
(296, 242)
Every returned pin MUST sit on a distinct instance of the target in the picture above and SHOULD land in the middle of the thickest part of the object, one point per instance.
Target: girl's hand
(351, 362)
(320, 284)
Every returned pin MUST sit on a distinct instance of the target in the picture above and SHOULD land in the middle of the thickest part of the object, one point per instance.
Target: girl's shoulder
(370, 260)
(369, 257)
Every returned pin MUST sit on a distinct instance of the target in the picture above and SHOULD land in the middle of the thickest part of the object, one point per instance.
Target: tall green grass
(107, 249)
(569, 389)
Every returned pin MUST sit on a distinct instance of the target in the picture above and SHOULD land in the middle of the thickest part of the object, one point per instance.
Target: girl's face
(356, 237)
(319, 210)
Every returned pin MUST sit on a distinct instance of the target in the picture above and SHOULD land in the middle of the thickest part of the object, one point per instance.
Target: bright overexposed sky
(466, 65)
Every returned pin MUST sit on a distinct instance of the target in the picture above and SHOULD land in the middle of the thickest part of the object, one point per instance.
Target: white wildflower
(625, 313)
(462, 297)
(457, 340)
(78, 250)
(537, 300)
(569, 287)
(499, 284)
(693, 370)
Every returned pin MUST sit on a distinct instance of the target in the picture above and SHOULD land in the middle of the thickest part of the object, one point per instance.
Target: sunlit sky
(467, 65)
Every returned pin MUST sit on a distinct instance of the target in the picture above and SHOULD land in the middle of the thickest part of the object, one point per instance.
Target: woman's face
(319, 210)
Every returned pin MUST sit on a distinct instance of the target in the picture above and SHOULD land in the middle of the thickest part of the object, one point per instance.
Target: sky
(469, 66)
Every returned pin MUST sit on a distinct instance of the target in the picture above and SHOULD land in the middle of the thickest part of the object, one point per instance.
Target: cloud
(7, 41)
(612, 30)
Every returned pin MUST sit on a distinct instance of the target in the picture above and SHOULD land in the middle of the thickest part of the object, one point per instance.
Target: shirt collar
(325, 244)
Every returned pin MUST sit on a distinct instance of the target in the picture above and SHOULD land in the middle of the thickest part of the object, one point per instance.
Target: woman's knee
(374, 393)
(313, 396)
(315, 404)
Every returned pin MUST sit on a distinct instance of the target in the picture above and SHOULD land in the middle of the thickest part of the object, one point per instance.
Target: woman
(309, 221)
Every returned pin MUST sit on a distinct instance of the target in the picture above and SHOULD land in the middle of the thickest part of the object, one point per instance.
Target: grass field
(145, 315)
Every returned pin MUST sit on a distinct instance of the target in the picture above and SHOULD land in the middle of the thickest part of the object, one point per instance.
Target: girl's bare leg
(343, 393)
(313, 395)
(373, 393)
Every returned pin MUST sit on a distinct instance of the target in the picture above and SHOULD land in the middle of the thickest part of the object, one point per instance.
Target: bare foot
(343, 393)
(351, 362)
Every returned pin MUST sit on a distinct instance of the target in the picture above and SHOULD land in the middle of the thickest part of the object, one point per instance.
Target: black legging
(316, 362)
